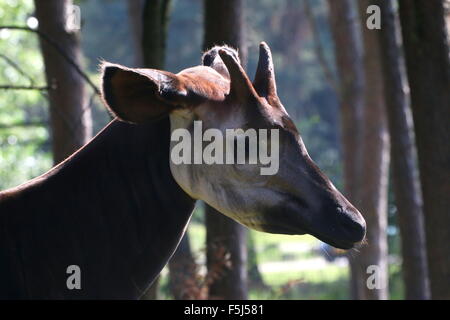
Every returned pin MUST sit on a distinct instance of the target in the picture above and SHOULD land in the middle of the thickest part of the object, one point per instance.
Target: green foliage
(329, 283)
(23, 149)
(21, 155)
(105, 34)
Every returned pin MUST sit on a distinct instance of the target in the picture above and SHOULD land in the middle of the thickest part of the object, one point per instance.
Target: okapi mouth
(347, 233)
(342, 233)
(291, 230)
(282, 229)
(339, 230)
(340, 244)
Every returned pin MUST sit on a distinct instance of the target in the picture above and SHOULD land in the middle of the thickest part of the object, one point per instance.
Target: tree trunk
(348, 56)
(405, 174)
(373, 257)
(183, 280)
(155, 24)
(255, 279)
(153, 17)
(226, 257)
(447, 14)
(153, 20)
(135, 9)
(224, 24)
(428, 66)
(70, 115)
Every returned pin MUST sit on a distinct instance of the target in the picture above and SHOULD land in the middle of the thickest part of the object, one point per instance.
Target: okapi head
(293, 198)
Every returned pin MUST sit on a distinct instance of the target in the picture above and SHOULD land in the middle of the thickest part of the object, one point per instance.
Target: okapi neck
(113, 209)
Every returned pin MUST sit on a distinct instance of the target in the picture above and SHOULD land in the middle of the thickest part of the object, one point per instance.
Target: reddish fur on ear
(134, 95)
(145, 95)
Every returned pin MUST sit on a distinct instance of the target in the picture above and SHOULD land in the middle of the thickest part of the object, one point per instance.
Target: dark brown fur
(113, 209)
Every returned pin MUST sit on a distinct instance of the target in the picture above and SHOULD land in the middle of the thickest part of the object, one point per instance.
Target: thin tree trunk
(70, 116)
(255, 279)
(224, 24)
(153, 20)
(135, 12)
(373, 257)
(426, 46)
(183, 273)
(405, 174)
(153, 17)
(348, 56)
(155, 23)
(226, 252)
(447, 14)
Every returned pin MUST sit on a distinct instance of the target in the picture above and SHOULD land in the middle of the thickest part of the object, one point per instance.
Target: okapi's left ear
(241, 88)
(140, 95)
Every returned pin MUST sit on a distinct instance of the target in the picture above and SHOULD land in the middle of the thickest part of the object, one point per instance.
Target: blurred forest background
(348, 88)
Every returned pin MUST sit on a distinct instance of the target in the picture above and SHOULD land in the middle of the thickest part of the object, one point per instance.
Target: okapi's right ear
(140, 95)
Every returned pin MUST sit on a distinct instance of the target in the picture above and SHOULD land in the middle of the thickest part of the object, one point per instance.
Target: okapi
(118, 207)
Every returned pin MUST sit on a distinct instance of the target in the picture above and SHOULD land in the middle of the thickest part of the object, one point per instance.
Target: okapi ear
(240, 85)
(264, 82)
(140, 95)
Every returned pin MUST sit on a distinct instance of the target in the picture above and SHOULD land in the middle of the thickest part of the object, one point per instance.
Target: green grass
(328, 274)
(328, 283)
(331, 283)
(275, 247)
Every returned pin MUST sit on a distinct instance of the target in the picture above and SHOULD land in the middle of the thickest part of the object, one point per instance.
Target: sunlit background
(291, 267)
